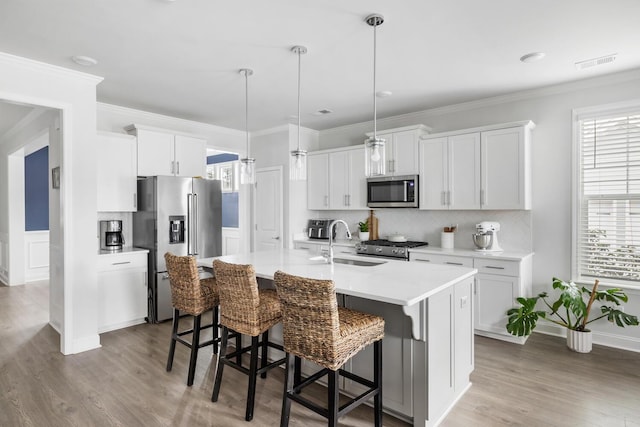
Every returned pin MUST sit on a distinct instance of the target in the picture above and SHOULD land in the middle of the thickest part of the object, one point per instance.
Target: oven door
(393, 192)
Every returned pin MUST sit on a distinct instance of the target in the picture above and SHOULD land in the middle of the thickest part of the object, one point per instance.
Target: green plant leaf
(614, 295)
(571, 297)
(523, 319)
(619, 317)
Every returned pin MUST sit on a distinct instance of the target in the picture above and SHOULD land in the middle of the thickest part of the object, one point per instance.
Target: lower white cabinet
(497, 285)
(396, 356)
(122, 290)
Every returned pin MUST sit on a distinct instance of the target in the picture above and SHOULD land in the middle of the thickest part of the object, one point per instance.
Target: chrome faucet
(329, 256)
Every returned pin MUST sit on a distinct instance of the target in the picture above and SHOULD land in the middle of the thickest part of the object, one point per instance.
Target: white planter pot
(364, 235)
(579, 341)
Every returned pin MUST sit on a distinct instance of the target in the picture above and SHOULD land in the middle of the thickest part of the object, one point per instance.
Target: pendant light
(298, 160)
(247, 165)
(374, 146)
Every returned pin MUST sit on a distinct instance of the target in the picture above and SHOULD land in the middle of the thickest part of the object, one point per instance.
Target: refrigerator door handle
(189, 223)
(194, 229)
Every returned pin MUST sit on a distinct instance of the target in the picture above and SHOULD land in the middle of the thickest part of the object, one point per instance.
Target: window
(607, 243)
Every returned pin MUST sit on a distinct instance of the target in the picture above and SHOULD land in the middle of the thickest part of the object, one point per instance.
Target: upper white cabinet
(162, 152)
(116, 173)
(450, 175)
(318, 181)
(480, 168)
(401, 148)
(335, 179)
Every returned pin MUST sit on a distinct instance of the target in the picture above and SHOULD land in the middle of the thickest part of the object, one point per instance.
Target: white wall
(551, 110)
(73, 268)
(273, 147)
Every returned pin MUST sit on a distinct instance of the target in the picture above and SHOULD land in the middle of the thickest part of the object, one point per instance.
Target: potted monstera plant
(571, 310)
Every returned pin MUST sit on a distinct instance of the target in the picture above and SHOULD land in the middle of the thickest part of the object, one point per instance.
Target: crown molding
(136, 116)
(8, 59)
(558, 89)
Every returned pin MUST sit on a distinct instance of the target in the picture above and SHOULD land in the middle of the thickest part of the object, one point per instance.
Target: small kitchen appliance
(111, 237)
(387, 248)
(393, 192)
(319, 229)
(486, 237)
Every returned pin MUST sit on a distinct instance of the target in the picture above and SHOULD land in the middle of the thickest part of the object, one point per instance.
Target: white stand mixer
(486, 237)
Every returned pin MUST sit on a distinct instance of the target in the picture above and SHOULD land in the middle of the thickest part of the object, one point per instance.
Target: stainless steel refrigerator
(178, 215)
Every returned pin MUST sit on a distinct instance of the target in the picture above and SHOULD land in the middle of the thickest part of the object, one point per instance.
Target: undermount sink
(358, 262)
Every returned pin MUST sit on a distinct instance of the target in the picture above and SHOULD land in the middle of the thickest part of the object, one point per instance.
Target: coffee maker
(486, 236)
(111, 237)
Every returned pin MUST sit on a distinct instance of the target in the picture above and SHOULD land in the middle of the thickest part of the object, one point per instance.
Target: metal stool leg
(216, 324)
(334, 396)
(288, 389)
(264, 355)
(377, 380)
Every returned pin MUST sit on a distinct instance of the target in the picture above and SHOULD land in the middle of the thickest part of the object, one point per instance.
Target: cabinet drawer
(441, 259)
(112, 262)
(497, 266)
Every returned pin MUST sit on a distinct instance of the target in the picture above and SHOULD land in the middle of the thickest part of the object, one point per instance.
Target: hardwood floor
(124, 383)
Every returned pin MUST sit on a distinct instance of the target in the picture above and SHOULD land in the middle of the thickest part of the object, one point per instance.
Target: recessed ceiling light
(86, 61)
(383, 93)
(532, 57)
(607, 59)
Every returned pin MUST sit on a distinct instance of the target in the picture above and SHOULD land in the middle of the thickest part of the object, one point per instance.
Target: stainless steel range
(386, 248)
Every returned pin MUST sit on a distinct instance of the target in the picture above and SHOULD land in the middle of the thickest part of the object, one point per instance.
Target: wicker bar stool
(250, 311)
(316, 329)
(194, 296)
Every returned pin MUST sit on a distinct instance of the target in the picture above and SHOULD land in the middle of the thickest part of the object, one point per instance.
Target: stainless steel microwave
(392, 191)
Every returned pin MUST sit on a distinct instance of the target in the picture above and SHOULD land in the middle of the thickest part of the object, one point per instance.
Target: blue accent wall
(230, 216)
(220, 158)
(36, 190)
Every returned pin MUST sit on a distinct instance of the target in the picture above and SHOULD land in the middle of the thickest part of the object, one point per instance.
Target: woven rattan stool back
(187, 294)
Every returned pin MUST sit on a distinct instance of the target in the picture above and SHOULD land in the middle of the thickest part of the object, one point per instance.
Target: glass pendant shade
(298, 165)
(247, 171)
(375, 160)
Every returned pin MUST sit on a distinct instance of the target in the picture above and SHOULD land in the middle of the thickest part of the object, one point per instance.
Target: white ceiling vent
(596, 61)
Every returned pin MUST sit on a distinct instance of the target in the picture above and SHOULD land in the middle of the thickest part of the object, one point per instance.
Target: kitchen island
(428, 312)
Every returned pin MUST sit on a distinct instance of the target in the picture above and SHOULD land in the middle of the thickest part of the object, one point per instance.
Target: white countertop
(395, 282)
(505, 255)
(125, 250)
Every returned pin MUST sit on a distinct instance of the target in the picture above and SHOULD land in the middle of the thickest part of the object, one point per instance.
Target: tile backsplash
(515, 226)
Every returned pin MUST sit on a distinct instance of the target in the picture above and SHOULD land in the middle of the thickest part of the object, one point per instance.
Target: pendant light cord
(375, 104)
(299, 72)
(246, 108)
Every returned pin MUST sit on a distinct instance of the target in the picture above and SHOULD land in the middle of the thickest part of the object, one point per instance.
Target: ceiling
(181, 58)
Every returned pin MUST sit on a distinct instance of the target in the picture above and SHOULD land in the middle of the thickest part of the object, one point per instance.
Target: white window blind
(608, 244)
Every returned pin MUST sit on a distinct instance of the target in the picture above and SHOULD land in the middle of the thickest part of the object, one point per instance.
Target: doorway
(268, 209)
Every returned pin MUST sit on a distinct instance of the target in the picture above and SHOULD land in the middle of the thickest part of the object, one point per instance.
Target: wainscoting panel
(36, 255)
(230, 241)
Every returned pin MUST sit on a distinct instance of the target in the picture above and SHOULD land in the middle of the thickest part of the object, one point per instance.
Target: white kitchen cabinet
(506, 169)
(481, 168)
(401, 149)
(122, 290)
(498, 284)
(397, 347)
(450, 172)
(162, 152)
(318, 181)
(335, 180)
(500, 280)
(347, 182)
(116, 173)
(316, 247)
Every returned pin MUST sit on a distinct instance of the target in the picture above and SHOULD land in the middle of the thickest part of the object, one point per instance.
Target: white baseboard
(86, 343)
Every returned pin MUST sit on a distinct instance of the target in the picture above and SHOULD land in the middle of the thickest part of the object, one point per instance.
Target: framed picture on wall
(55, 177)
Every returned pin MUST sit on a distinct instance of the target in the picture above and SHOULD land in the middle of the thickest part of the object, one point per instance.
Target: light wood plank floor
(125, 384)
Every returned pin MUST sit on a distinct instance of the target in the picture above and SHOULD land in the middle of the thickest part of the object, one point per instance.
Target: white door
(268, 209)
